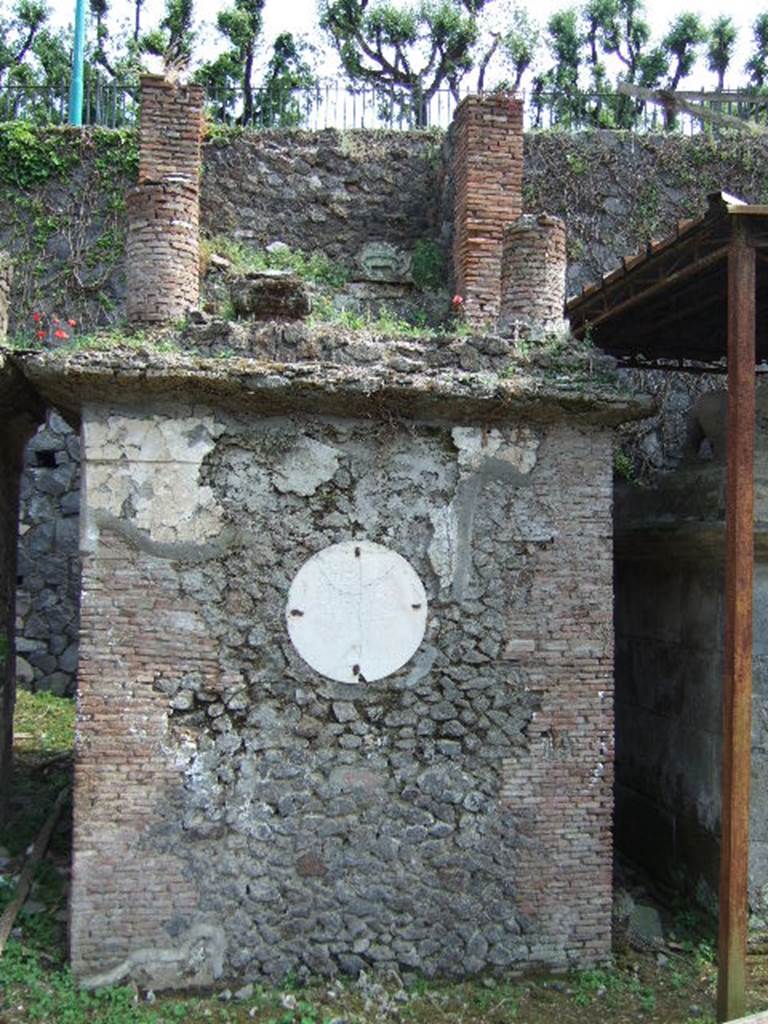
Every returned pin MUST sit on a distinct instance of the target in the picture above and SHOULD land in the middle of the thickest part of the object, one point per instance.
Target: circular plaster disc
(356, 611)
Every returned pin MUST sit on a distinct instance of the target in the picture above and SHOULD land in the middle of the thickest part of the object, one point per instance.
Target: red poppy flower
(72, 323)
(36, 317)
(60, 334)
(457, 301)
(41, 334)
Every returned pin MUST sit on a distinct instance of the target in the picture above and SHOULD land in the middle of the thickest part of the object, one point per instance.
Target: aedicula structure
(346, 653)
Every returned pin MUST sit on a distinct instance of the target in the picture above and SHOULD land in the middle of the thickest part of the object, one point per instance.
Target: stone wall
(487, 173)
(239, 815)
(334, 191)
(20, 410)
(329, 191)
(669, 666)
(48, 574)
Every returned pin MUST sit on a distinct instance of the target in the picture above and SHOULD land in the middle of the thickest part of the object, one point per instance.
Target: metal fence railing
(108, 104)
(338, 104)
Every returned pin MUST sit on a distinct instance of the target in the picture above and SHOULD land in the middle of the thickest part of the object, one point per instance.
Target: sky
(300, 17)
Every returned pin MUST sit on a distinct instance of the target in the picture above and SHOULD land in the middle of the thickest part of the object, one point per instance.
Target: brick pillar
(6, 278)
(533, 269)
(488, 183)
(162, 245)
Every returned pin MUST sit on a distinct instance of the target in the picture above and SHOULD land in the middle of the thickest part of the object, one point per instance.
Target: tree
(174, 39)
(410, 51)
(287, 74)
(518, 46)
(138, 4)
(757, 65)
(681, 43)
(564, 42)
(99, 11)
(241, 25)
(17, 36)
(720, 47)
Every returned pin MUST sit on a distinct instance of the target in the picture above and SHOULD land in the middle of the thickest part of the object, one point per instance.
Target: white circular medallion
(356, 611)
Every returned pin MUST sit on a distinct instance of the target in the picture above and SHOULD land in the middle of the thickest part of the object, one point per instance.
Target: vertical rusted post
(737, 680)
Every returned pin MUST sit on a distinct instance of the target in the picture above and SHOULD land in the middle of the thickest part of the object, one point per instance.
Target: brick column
(162, 246)
(488, 182)
(533, 274)
(6, 278)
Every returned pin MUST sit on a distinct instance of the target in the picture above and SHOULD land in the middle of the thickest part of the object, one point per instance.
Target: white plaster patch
(516, 445)
(196, 960)
(307, 465)
(146, 471)
(356, 612)
(444, 544)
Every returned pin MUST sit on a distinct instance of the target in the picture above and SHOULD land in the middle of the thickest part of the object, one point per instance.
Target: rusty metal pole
(737, 680)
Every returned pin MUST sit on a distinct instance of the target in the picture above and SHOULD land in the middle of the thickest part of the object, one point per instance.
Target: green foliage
(623, 466)
(720, 47)
(411, 50)
(174, 37)
(29, 156)
(316, 267)
(681, 43)
(428, 265)
(278, 103)
(518, 45)
(757, 65)
(241, 26)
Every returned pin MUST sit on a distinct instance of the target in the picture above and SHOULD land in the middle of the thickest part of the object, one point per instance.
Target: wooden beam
(645, 291)
(676, 102)
(737, 682)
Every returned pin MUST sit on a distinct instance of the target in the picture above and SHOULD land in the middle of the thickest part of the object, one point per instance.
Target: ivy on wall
(62, 218)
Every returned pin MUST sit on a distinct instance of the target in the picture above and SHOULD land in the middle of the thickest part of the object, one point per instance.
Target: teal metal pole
(78, 56)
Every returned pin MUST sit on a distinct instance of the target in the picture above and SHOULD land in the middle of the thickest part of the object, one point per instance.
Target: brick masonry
(238, 815)
(162, 244)
(488, 185)
(533, 274)
(171, 130)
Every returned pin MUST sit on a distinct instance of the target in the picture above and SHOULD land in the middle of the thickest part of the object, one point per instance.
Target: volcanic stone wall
(488, 195)
(20, 411)
(162, 245)
(670, 611)
(239, 815)
(48, 573)
(533, 273)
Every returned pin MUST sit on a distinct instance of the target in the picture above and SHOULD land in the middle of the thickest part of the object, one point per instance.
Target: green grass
(43, 723)
(315, 268)
(119, 336)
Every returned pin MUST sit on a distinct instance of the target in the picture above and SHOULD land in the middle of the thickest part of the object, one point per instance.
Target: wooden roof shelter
(670, 300)
(702, 295)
